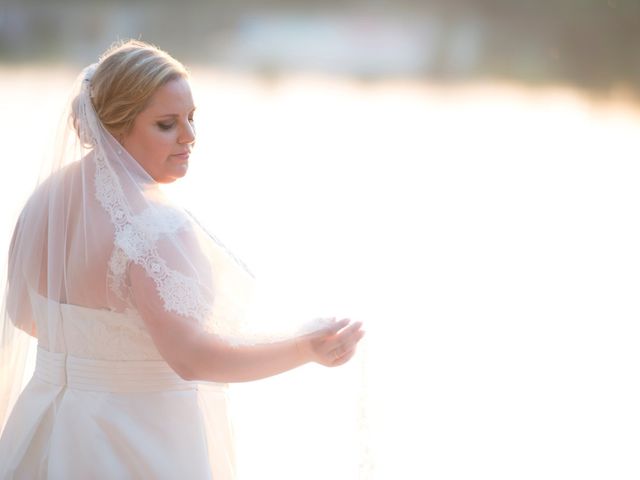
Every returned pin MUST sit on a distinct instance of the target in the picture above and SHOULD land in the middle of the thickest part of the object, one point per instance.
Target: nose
(188, 134)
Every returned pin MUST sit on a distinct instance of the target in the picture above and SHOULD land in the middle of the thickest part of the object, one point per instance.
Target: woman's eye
(165, 126)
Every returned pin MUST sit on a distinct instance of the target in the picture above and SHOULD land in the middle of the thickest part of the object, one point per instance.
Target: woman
(138, 311)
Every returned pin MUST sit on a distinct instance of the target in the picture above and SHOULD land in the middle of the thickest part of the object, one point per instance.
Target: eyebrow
(174, 115)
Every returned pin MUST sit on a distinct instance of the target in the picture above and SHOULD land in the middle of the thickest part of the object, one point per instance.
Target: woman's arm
(198, 355)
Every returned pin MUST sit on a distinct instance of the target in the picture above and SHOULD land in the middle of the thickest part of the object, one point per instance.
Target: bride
(137, 311)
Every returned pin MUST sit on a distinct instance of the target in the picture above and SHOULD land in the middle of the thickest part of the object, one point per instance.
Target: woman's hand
(333, 345)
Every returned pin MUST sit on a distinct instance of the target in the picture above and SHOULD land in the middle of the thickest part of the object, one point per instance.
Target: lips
(182, 156)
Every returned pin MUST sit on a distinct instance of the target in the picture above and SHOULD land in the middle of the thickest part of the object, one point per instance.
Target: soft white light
(487, 236)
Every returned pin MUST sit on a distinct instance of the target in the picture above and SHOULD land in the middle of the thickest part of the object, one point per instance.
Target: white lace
(116, 274)
(109, 336)
(135, 241)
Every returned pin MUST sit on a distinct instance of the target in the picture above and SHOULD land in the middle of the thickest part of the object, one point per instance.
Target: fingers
(337, 326)
(353, 328)
(340, 359)
(350, 335)
(344, 358)
(346, 341)
(330, 330)
(336, 343)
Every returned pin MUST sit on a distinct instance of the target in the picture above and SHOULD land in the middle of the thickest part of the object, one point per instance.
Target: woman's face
(163, 134)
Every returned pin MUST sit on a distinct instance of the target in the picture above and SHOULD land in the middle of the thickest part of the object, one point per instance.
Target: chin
(167, 180)
(174, 175)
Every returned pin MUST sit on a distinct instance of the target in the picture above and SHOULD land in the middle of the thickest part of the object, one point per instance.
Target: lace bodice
(122, 335)
(92, 333)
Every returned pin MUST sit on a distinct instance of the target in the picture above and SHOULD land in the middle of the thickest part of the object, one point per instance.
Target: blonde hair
(128, 74)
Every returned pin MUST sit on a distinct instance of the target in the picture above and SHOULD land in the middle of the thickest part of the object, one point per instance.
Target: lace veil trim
(135, 240)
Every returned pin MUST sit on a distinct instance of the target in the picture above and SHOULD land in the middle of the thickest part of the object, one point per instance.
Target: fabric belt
(111, 375)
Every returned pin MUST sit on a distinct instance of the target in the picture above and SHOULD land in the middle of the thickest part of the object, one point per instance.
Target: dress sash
(111, 375)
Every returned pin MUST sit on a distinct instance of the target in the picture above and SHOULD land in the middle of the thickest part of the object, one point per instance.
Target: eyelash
(166, 127)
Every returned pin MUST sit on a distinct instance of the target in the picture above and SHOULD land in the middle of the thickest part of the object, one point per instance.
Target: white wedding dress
(103, 404)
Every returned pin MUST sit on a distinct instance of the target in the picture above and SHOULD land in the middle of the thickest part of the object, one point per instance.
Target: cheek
(162, 143)
(151, 148)
(157, 146)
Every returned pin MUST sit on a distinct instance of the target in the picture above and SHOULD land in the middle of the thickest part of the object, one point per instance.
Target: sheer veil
(94, 217)
(95, 214)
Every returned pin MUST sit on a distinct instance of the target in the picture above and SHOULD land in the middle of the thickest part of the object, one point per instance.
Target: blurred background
(462, 176)
(584, 43)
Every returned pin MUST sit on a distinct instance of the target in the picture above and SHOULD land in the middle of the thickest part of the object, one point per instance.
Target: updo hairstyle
(126, 77)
